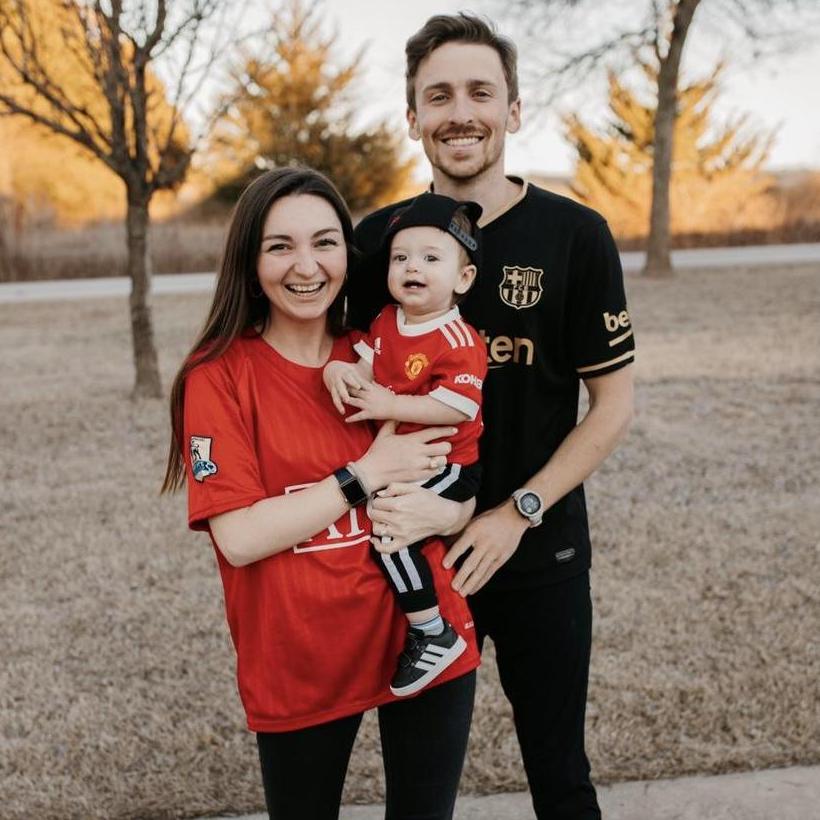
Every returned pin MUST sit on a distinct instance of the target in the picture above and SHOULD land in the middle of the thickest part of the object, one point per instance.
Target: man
(550, 304)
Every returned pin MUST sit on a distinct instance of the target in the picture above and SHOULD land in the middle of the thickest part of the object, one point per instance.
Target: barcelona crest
(521, 287)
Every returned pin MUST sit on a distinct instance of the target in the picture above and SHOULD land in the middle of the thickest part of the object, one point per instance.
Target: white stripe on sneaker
(432, 670)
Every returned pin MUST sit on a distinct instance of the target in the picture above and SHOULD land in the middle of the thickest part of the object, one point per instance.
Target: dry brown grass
(176, 247)
(116, 692)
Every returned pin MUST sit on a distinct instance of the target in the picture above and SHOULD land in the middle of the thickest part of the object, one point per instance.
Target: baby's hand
(340, 378)
(373, 401)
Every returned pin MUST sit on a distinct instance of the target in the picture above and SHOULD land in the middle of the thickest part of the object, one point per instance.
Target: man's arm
(495, 534)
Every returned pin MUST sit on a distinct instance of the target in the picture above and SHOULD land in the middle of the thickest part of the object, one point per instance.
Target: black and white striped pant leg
(408, 572)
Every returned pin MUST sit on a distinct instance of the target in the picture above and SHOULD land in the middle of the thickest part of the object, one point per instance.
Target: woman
(275, 475)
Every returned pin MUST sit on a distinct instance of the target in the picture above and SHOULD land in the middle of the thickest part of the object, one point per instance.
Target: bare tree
(576, 37)
(104, 94)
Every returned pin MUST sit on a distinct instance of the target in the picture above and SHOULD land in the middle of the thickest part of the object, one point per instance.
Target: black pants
(542, 641)
(424, 740)
(407, 570)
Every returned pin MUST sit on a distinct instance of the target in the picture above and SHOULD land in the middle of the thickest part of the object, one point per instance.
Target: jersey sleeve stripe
(618, 339)
(455, 400)
(364, 350)
(465, 330)
(449, 336)
(458, 333)
(629, 355)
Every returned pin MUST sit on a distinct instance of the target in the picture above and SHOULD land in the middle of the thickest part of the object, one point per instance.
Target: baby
(421, 364)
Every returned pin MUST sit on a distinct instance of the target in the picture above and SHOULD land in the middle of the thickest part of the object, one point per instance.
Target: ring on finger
(434, 463)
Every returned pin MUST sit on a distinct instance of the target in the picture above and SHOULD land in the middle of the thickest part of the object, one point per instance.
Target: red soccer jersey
(316, 628)
(444, 358)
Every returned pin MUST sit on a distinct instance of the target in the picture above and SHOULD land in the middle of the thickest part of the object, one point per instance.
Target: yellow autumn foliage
(47, 177)
(717, 183)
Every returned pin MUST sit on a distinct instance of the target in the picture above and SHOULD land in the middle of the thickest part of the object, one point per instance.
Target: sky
(772, 92)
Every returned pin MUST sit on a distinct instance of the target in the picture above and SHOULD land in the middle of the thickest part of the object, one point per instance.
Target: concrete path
(774, 794)
(67, 289)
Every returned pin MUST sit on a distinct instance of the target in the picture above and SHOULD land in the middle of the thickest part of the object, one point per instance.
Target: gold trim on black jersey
(619, 339)
(602, 365)
(486, 219)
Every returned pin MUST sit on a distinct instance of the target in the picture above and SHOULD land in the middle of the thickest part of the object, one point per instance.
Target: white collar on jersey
(425, 327)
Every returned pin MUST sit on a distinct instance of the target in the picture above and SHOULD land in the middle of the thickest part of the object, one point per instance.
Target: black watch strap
(350, 486)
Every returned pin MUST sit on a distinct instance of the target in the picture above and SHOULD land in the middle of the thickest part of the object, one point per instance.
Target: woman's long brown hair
(239, 303)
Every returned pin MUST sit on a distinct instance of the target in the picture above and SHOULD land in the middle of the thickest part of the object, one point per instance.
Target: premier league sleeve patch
(201, 457)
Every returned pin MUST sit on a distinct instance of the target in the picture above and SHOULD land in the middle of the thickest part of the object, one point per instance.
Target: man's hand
(493, 536)
(340, 378)
(373, 402)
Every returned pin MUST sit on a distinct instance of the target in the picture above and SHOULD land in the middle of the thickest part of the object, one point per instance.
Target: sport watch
(351, 486)
(530, 505)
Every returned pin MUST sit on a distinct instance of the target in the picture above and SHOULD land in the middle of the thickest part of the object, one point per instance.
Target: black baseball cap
(437, 211)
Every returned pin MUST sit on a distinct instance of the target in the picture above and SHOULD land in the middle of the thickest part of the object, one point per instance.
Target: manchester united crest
(521, 287)
(416, 362)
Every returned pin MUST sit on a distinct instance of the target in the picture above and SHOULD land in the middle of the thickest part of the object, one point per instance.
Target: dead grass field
(117, 697)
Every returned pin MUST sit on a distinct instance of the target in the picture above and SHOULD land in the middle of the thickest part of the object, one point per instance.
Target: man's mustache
(467, 131)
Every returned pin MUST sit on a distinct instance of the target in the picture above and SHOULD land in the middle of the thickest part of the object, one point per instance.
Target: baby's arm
(377, 402)
(340, 377)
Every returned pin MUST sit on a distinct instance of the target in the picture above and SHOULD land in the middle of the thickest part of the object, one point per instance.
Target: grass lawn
(117, 697)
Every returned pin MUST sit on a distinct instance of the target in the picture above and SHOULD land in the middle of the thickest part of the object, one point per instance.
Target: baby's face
(426, 270)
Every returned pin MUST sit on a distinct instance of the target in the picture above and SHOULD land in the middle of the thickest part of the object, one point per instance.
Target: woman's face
(303, 257)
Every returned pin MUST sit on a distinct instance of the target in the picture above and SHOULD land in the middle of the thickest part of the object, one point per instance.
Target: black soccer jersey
(549, 302)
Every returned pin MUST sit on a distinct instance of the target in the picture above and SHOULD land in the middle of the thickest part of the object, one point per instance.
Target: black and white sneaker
(424, 658)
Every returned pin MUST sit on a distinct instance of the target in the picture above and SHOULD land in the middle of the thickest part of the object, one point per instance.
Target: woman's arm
(275, 524)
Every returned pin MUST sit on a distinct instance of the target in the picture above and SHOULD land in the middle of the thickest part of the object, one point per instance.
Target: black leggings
(424, 740)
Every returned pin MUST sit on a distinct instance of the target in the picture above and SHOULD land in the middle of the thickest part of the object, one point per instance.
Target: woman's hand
(407, 513)
(340, 378)
(408, 457)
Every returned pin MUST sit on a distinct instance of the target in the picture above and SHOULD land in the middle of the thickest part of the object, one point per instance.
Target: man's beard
(469, 170)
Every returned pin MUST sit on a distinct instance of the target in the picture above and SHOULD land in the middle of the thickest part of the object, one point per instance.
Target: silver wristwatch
(530, 505)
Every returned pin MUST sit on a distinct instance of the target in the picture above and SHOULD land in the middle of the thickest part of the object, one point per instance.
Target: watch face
(529, 503)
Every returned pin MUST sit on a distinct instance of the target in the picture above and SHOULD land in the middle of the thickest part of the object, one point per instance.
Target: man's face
(462, 114)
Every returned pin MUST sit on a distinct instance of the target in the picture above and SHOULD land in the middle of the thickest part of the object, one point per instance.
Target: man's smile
(462, 142)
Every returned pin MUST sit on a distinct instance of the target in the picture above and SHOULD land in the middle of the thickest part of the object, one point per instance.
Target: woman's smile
(305, 291)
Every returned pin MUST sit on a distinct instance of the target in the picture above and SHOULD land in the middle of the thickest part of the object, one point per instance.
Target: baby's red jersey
(315, 627)
(444, 358)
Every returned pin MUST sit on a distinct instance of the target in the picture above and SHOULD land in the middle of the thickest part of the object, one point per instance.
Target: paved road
(67, 289)
(774, 794)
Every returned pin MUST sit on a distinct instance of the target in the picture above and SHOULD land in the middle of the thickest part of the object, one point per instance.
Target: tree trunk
(147, 382)
(5, 250)
(658, 260)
